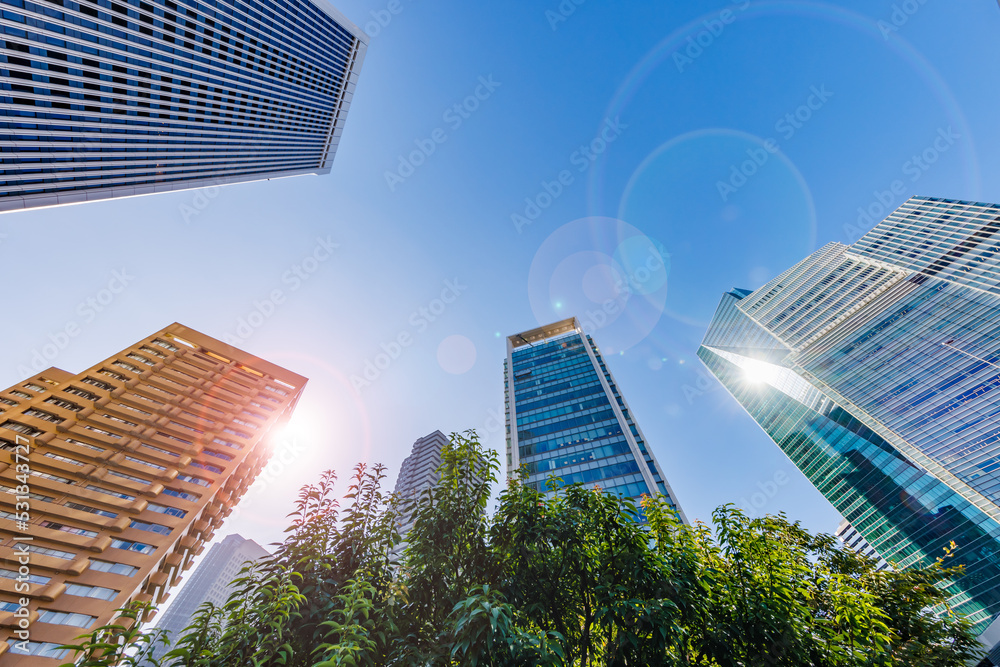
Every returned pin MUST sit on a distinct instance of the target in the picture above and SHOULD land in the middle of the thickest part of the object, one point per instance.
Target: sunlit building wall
(876, 369)
(566, 417)
(418, 472)
(108, 98)
(125, 471)
(852, 539)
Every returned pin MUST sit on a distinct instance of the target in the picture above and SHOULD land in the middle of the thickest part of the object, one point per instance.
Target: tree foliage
(572, 577)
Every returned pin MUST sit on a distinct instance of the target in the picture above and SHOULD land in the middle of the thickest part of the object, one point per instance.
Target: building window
(65, 459)
(91, 510)
(188, 428)
(18, 427)
(156, 353)
(173, 437)
(99, 384)
(82, 393)
(141, 359)
(34, 387)
(227, 443)
(193, 497)
(113, 375)
(160, 450)
(31, 494)
(55, 553)
(31, 578)
(164, 509)
(107, 434)
(149, 527)
(128, 367)
(128, 545)
(113, 568)
(206, 466)
(120, 420)
(52, 525)
(54, 478)
(135, 410)
(67, 405)
(74, 441)
(43, 415)
(279, 392)
(116, 494)
(164, 344)
(145, 463)
(131, 478)
(41, 649)
(148, 399)
(65, 618)
(193, 480)
(96, 592)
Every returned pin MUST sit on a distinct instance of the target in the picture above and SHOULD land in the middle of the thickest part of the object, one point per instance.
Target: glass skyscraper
(112, 98)
(566, 417)
(876, 369)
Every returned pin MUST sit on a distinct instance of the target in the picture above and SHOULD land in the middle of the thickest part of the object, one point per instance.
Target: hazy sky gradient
(681, 96)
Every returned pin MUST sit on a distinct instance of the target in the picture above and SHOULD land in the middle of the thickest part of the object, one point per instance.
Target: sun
(759, 372)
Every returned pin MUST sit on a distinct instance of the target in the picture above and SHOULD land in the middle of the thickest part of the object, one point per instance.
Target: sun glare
(759, 372)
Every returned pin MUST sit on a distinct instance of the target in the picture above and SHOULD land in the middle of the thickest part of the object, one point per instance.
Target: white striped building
(113, 98)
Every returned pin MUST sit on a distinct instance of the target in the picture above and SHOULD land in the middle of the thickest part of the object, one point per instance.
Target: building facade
(418, 472)
(115, 478)
(876, 369)
(210, 582)
(103, 99)
(852, 539)
(567, 418)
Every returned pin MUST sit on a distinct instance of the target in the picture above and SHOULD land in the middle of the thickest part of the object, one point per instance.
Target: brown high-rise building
(115, 478)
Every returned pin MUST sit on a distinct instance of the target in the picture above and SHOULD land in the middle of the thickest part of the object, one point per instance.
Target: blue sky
(627, 126)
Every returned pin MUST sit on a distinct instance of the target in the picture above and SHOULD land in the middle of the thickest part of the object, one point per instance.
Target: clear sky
(604, 136)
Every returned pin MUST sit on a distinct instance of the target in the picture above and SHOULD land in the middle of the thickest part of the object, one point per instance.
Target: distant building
(135, 462)
(567, 417)
(209, 583)
(418, 473)
(876, 368)
(852, 539)
(112, 99)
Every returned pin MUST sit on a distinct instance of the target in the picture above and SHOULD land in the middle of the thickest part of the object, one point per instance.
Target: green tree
(570, 578)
